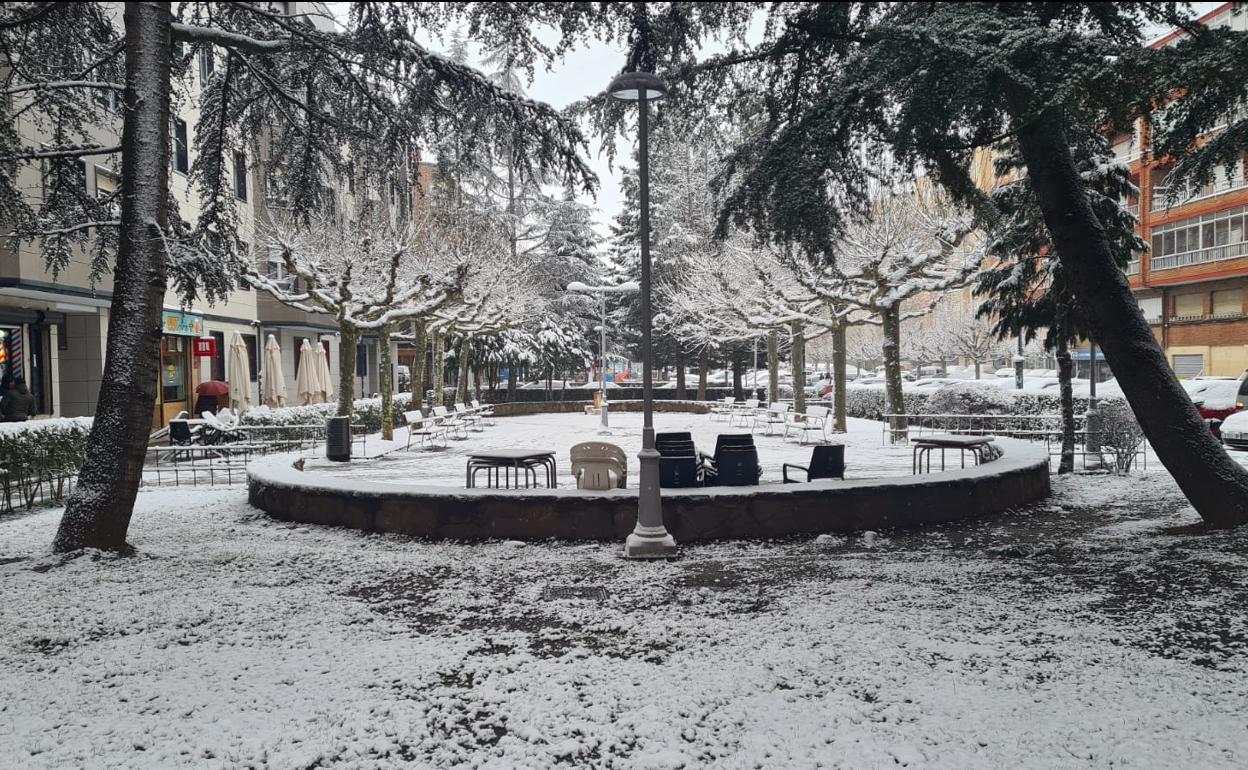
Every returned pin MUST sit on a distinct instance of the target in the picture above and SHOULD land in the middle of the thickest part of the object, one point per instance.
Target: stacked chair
(734, 464)
(599, 465)
(678, 461)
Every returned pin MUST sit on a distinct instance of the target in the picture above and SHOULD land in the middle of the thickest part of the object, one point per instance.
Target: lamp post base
(650, 545)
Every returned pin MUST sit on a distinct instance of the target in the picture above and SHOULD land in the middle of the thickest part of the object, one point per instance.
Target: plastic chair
(599, 465)
(724, 442)
(826, 462)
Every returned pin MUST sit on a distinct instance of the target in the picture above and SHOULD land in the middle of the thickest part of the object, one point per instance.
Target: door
(175, 383)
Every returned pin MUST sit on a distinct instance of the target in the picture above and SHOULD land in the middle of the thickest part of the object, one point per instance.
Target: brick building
(1193, 283)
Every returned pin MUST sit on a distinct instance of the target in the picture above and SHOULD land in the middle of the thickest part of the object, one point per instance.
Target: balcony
(1200, 256)
(1133, 267)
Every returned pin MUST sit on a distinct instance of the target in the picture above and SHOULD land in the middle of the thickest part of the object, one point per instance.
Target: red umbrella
(213, 388)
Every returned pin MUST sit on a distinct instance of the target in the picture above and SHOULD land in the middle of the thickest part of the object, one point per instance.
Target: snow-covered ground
(865, 454)
(1088, 631)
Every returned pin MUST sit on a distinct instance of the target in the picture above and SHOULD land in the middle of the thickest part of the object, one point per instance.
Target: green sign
(182, 324)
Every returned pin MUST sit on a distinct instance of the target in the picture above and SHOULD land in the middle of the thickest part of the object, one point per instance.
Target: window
(1220, 181)
(1228, 302)
(106, 183)
(276, 269)
(218, 360)
(250, 341)
(1209, 238)
(181, 152)
(240, 176)
(1189, 305)
(361, 360)
(205, 65)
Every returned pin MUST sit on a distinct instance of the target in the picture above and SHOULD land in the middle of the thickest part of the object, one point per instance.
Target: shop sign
(205, 347)
(183, 324)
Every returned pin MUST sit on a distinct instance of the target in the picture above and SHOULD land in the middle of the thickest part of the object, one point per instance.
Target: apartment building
(1193, 283)
(53, 328)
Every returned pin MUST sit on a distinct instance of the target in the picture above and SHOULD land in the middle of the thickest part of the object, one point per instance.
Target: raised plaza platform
(282, 487)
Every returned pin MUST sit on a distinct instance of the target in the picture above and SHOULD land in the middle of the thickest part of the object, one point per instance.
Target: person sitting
(17, 403)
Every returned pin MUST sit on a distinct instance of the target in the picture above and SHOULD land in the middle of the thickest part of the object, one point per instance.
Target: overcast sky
(584, 72)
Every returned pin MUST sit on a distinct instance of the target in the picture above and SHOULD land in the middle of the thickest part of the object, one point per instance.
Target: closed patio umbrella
(323, 380)
(238, 371)
(274, 379)
(305, 378)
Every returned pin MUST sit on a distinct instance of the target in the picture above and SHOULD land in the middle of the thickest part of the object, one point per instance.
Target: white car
(1235, 431)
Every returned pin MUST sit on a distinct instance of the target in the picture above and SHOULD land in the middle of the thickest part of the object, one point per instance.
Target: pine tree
(318, 97)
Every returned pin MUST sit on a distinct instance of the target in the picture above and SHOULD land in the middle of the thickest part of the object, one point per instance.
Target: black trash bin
(338, 439)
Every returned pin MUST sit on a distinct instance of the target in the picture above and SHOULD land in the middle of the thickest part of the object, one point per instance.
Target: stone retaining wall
(1021, 476)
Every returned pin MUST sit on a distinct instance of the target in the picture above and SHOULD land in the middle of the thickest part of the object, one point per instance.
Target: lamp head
(631, 86)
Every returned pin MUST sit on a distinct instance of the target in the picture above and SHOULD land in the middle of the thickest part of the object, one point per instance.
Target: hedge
(869, 402)
(40, 456)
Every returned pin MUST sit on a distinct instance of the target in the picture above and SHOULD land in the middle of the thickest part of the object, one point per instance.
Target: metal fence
(901, 428)
(42, 477)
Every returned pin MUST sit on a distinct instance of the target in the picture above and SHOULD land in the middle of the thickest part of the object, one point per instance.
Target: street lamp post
(602, 292)
(650, 539)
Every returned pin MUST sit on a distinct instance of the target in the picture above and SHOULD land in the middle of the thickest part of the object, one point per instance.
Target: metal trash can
(338, 439)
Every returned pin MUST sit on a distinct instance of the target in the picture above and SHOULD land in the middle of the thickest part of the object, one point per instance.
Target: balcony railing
(1200, 256)
(1161, 193)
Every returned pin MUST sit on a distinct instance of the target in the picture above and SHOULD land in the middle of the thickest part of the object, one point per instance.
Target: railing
(1200, 256)
(41, 478)
(1161, 193)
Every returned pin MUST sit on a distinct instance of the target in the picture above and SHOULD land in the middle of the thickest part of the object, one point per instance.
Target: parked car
(1216, 399)
(1234, 429)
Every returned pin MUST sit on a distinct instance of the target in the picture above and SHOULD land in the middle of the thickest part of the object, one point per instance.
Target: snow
(1089, 630)
(233, 640)
(866, 456)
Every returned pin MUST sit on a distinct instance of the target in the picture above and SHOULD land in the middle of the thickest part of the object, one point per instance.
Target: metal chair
(826, 462)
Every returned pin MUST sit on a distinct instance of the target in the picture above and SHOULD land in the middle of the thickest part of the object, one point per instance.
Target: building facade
(54, 328)
(1192, 284)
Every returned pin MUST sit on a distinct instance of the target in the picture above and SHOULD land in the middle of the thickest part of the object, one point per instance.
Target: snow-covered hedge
(971, 398)
(40, 451)
(367, 413)
(869, 401)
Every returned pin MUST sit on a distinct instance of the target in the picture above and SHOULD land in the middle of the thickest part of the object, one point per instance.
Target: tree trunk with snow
(418, 363)
(1216, 485)
(839, 378)
(1065, 375)
(681, 393)
(99, 510)
(465, 351)
(513, 379)
(348, 341)
(702, 375)
(773, 367)
(798, 358)
(387, 386)
(437, 377)
(736, 379)
(895, 397)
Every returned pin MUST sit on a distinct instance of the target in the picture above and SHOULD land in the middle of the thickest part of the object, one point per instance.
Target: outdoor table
(923, 448)
(508, 460)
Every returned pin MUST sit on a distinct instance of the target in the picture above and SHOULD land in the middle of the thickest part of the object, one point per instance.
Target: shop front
(178, 377)
(26, 341)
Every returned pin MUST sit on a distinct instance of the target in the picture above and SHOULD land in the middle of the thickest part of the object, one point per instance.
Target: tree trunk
(681, 393)
(348, 341)
(839, 378)
(736, 379)
(98, 512)
(437, 378)
(1065, 372)
(702, 375)
(1216, 486)
(387, 386)
(513, 379)
(773, 367)
(419, 373)
(797, 357)
(465, 352)
(977, 368)
(896, 399)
